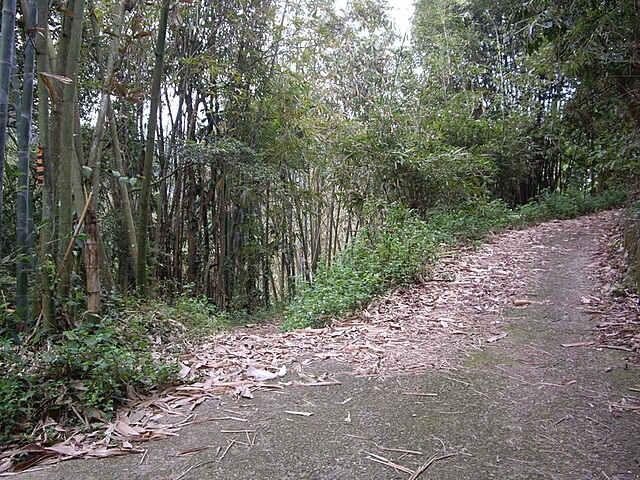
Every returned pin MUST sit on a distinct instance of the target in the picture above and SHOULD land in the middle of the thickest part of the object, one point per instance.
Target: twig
(194, 450)
(198, 465)
(566, 417)
(228, 410)
(225, 451)
(400, 450)
(72, 240)
(616, 347)
(388, 463)
(626, 407)
(428, 463)
(579, 344)
(444, 447)
(317, 384)
(144, 456)
(466, 384)
(212, 419)
(418, 394)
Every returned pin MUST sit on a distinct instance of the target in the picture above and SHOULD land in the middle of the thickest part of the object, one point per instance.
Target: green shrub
(555, 205)
(631, 222)
(17, 398)
(89, 368)
(395, 252)
(197, 314)
(472, 221)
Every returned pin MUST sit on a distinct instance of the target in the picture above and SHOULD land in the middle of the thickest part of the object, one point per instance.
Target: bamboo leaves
(50, 80)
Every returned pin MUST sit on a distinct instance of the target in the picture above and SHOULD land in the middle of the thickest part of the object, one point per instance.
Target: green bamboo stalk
(145, 192)
(6, 56)
(23, 210)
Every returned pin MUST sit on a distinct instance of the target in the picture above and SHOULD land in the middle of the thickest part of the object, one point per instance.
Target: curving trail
(507, 366)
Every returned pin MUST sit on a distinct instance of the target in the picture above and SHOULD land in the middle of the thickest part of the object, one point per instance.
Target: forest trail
(495, 369)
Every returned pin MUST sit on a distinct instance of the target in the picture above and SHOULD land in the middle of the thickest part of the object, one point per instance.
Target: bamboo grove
(228, 149)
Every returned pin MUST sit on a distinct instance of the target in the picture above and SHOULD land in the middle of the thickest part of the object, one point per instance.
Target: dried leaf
(495, 338)
(49, 81)
(57, 78)
(264, 375)
(522, 303)
(125, 430)
(246, 392)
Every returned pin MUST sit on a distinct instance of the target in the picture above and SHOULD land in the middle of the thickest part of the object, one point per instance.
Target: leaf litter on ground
(409, 330)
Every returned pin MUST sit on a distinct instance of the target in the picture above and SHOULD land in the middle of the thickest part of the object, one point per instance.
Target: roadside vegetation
(81, 376)
(404, 248)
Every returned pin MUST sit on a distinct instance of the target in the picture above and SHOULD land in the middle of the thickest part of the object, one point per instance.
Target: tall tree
(595, 46)
(7, 41)
(149, 153)
(94, 161)
(63, 135)
(23, 204)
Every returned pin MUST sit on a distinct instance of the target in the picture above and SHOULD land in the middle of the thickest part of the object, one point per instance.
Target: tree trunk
(127, 210)
(23, 209)
(92, 260)
(92, 256)
(63, 145)
(7, 41)
(145, 193)
(45, 258)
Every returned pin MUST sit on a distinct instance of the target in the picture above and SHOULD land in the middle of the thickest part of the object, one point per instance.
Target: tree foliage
(281, 122)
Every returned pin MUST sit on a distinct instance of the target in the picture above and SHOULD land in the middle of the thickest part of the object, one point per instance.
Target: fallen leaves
(264, 375)
(521, 303)
(495, 338)
(411, 329)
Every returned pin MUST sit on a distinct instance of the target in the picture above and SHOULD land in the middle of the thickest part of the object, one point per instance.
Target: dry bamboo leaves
(296, 413)
(521, 303)
(495, 338)
(410, 330)
(398, 467)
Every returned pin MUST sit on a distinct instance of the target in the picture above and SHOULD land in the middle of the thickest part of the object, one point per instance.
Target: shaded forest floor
(518, 360)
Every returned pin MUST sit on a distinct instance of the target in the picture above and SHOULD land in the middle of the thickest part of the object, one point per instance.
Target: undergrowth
(405, 246)
(81, 376)
(393, 253)
(90, 369)
(75, 378)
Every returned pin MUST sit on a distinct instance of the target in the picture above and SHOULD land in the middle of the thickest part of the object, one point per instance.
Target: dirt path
(448, 380)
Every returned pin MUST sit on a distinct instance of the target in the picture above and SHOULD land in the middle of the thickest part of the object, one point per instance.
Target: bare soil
(516, 362)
